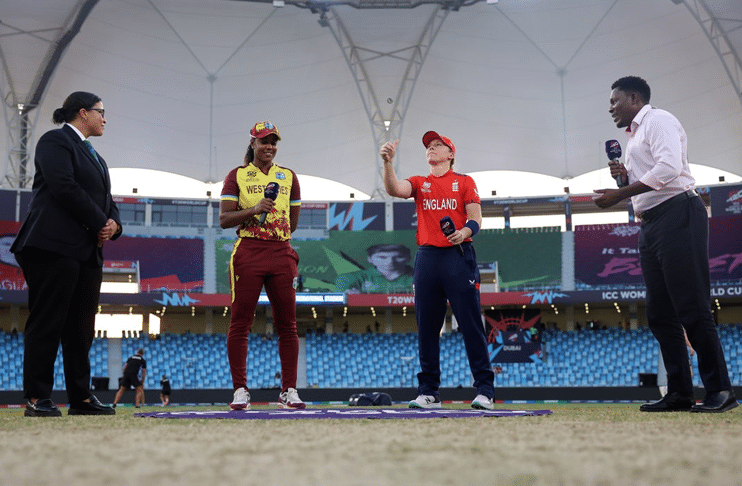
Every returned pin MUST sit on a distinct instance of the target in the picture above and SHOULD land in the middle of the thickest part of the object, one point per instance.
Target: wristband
(473, 226)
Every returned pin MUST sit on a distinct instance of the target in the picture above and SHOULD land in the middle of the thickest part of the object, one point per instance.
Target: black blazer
(71, 199)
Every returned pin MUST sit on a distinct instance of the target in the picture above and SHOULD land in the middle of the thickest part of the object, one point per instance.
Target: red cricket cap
(431, 135)
(263, 129)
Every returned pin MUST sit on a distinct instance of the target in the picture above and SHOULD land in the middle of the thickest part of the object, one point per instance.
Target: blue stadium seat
(585, 358)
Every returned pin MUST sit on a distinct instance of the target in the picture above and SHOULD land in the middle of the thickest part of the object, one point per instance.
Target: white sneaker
(241, 400)
(482, 403)
(425, 401)
(290, 399)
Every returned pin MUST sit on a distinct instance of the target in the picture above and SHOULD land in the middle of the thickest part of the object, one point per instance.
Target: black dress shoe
(672, 402)
(93, 407)
(716, 402)
(43, 407)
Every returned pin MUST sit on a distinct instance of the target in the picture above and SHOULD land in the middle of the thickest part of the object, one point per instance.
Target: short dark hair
(372, 250)
(73, 104)
(633, 84)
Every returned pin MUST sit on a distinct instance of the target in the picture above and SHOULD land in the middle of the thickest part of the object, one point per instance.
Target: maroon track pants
(254, 264)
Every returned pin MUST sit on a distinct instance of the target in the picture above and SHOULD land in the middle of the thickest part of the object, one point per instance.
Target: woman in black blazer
(59, 247)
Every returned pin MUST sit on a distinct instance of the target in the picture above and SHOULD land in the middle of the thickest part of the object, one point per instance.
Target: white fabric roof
(517, 85)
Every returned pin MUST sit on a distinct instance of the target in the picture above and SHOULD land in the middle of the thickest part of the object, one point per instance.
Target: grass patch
(591, 444)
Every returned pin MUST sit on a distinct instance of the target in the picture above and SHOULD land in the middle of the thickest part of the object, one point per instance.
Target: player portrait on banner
(390, 272)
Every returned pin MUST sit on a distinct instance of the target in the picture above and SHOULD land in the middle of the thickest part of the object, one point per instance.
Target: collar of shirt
(638, 119)
(270, 169)
(82, 137)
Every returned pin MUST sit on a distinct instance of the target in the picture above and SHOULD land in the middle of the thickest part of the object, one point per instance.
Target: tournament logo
(280, 176)
(426, 187)
(513, 336)
(542, 297)
(175, 299)
(625, 231)
(734, 196)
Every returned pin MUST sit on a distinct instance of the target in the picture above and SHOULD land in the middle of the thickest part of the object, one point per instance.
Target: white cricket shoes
(482, 403)
(425, 401)
(290, 399)
(241, 400)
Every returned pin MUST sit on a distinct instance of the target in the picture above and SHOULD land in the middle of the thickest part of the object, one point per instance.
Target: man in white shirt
(673, 244)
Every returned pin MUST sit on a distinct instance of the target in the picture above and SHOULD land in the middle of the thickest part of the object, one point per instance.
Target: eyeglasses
(99, 110)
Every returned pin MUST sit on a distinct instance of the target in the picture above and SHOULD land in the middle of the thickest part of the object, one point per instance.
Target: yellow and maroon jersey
(436, 197)
(246, 185)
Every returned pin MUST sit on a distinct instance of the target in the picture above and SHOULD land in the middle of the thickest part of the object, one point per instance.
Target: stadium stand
(200, 360)
(588, 358)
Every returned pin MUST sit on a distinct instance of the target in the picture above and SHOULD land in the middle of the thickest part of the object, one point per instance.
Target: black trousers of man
(675, 263)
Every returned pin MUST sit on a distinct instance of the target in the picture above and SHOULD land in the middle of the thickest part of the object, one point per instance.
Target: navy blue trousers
(442, 274)
(675, 264)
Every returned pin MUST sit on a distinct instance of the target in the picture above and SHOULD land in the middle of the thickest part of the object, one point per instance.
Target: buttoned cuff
(650, 180)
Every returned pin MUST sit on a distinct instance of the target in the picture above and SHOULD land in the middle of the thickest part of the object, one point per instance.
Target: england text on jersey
(436, 204)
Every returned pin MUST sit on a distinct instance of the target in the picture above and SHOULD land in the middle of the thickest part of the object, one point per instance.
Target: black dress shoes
(93, 407)
(43, 407)
(716, 402)
(672, 402)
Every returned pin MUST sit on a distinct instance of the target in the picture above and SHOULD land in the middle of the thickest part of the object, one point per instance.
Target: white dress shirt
(82, 137)
(657, 156)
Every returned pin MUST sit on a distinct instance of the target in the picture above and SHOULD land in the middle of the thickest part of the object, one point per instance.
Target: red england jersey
(436, 197)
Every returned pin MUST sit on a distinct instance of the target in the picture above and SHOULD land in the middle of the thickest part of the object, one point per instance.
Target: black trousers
(675, 263)
(63, 300)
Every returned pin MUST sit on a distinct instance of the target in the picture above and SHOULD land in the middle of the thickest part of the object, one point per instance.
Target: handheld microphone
(448, 228)
(613, 151)
(270, 192)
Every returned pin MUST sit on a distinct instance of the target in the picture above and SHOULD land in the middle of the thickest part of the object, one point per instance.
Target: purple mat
(340, 413)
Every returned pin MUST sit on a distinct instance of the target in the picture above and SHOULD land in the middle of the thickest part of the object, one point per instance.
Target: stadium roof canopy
(517, 84)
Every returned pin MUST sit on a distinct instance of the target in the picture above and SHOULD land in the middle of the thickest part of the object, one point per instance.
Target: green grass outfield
(579, 444)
